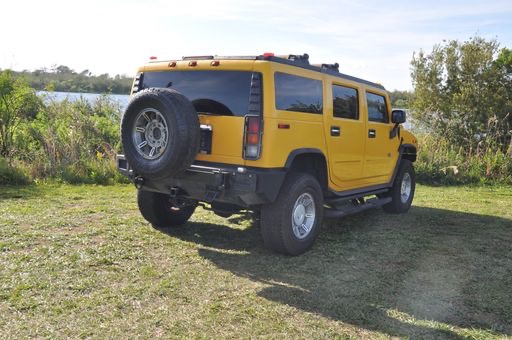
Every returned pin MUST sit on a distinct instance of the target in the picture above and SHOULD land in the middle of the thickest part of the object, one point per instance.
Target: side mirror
(398, 116)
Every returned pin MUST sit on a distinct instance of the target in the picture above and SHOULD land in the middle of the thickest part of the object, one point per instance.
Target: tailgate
(221, 139)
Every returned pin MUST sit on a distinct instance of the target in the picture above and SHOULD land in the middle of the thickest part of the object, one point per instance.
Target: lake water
(90, 97)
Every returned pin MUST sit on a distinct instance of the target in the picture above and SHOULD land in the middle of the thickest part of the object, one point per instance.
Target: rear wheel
(291, 224)
(158, 210)
(402, 192)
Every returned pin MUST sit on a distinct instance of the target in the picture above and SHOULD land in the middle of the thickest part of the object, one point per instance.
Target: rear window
(212, 92)
(300, 94)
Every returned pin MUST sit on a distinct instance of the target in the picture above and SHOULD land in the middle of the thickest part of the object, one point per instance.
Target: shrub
(71, 141)
(440, 162)
(11, 174)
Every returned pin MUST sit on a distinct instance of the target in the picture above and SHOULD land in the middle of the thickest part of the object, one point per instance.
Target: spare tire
(160, 133)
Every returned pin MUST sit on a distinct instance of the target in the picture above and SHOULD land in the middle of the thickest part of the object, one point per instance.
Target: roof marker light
(268, 54)
(152, 57)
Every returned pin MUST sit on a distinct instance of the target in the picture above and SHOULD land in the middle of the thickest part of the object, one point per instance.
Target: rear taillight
(253, 120)
(252, 138)
(137, 83)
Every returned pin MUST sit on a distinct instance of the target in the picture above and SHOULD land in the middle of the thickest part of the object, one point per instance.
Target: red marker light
(268, 54)
(152, 57)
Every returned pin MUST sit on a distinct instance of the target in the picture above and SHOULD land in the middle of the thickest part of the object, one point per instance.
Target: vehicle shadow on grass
(429, 273)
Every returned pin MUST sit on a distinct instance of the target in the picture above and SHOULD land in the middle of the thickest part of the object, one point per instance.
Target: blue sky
(369, 39)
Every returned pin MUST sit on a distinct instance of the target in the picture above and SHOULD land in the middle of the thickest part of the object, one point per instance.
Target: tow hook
(138, 181)
(174, 191)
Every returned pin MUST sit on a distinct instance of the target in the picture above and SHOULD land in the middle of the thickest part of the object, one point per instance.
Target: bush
(12, 175)
(103, 172)
(70, 141)
(440, 162)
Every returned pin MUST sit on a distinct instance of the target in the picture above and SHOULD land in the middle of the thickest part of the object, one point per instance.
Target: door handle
(335, 130)
(372, 133)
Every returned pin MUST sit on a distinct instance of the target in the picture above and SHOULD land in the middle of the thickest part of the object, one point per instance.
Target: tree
(62, 69)
(463, 92)
(504, 60)
(17, 100)
(401, 99)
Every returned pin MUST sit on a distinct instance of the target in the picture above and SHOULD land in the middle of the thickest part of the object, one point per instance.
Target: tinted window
(214, 92)
(377, 109)
(345, 102)
(294, 93)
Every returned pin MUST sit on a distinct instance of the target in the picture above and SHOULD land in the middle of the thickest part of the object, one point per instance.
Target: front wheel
(158, 210)
(291, 224)
(402, 192)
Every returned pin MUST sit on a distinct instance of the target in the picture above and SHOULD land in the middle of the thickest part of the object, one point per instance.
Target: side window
(345, 102)
(377, 108)
(294, 93)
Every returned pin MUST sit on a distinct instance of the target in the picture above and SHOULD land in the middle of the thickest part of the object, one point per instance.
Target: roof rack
(303, 62)
(198, 57)
(298, 60)
(334, 66)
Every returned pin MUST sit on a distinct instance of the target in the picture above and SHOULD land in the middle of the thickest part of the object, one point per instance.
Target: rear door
(345, 134)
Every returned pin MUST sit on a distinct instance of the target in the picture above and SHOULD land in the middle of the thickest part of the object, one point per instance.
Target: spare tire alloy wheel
(150, 133)
(160, 133)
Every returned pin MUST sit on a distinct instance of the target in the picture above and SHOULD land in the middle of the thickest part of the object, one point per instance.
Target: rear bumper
(207, 182)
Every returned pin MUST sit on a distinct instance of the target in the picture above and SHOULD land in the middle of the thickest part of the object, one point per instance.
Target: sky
(374, 40)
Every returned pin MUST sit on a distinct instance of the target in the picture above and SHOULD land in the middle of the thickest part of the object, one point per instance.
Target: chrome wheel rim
(406, 187)
(150, 134)
(303, 216)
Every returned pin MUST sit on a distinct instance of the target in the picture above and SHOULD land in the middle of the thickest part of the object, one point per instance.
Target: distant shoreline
(121, 99)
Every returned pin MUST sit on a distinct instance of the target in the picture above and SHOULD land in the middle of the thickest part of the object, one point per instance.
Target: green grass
(79, 261)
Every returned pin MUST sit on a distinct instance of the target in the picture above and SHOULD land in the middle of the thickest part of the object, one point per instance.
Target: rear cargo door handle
(335, 131)
(372, 133)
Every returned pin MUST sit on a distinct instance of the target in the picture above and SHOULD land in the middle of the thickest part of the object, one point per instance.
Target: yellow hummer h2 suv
(291, 141)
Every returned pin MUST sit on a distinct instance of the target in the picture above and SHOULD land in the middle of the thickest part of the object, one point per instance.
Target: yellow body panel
(346, 151)
(306, 130)
(227, 139)
(353, 159)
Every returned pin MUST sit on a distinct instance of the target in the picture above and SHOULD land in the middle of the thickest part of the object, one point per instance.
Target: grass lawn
(79, 261)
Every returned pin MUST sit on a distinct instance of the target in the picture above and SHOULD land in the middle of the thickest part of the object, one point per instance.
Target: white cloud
(368, 39)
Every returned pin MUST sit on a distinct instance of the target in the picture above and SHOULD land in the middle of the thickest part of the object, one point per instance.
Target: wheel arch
(409, 152)
(311, 161)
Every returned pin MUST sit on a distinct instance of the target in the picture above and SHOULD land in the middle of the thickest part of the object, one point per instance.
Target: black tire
(182, 137)
(277, 219)
(159, 211)
(401, 203)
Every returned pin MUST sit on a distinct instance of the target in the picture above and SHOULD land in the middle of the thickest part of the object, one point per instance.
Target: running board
(348, 195)
(345, 211)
